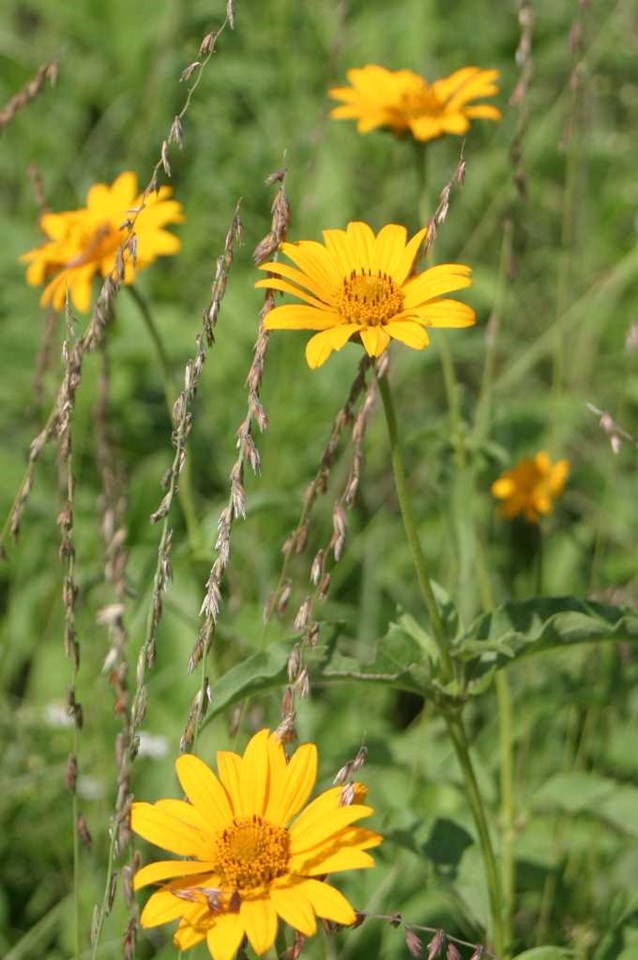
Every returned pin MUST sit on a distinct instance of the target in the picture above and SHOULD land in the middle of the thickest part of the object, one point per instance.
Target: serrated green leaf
(515, 630)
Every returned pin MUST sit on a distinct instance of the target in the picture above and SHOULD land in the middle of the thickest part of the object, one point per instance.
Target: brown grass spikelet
(413, 943)
(437, 945)
(48, 72)
(247, 454)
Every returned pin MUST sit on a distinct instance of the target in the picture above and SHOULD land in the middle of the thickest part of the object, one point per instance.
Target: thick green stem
(454, 722)
(185, 489)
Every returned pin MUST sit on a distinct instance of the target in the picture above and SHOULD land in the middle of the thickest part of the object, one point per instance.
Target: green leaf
(600, 797)
(397, 660)
(575, 792)
(545, 953)
(516, 630)
(262, 671)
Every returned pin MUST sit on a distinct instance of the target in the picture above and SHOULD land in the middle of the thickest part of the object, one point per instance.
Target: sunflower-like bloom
(84, 242)
(402, 101)
(529, 487)
(359, 283)
(252, 855)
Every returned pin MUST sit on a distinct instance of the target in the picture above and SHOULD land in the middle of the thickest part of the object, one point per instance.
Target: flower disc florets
(369, 299)
(251, 853)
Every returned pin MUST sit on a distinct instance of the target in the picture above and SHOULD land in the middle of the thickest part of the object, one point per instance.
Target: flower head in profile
(403, 102)
(359, 284)
(82, 243)
(253, 855)
(530, 486)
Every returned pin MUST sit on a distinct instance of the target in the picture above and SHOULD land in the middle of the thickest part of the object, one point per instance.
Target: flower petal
(293, 908)
(161, 907)
(318, 822)
(274, 283)
(327, 902)
(434, 282)
(298, 316)
(229, 771)
(187, 936)
(374, 339)
(225, 936)
(319, 347)
(300, 776)
(296, 277)
(165, 831)
(254, 774)
(408, 332)
(204, 790)
(167, 869)
(445, 313)
(390, 251)
(260, 923)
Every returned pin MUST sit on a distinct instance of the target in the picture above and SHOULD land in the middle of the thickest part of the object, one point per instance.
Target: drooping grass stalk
(453, 721)
(185, 489)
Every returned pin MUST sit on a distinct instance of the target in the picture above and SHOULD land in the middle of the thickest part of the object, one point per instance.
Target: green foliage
(555, 272)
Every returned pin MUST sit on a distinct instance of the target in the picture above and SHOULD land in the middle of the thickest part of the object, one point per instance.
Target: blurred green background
(568, 305)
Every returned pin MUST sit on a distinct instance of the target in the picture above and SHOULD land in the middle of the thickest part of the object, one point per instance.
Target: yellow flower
(252, 856)
(403, 101)
(359, 283)
(84, 242)
(530, 486)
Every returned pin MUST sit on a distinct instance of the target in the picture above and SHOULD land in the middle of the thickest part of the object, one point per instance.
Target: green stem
(454, 722)
(447, 668)
(506, 761)
(508, 802)
(452, 394)
(539, 560)
(423, 192)
(459, 739)
(185, 489)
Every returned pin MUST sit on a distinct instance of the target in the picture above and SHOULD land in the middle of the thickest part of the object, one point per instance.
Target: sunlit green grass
(262, 104)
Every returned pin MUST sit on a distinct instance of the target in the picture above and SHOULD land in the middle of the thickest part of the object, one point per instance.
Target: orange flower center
(419, 103)
(96, 244)
(369, 299)
(251, 853)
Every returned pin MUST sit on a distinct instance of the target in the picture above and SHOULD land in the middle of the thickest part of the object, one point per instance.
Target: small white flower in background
(150, 745)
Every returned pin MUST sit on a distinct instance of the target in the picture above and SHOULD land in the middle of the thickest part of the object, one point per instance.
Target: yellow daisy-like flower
(84, 242)
(529, 487)
(252, 855)
(404, 102)
(359, 283)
